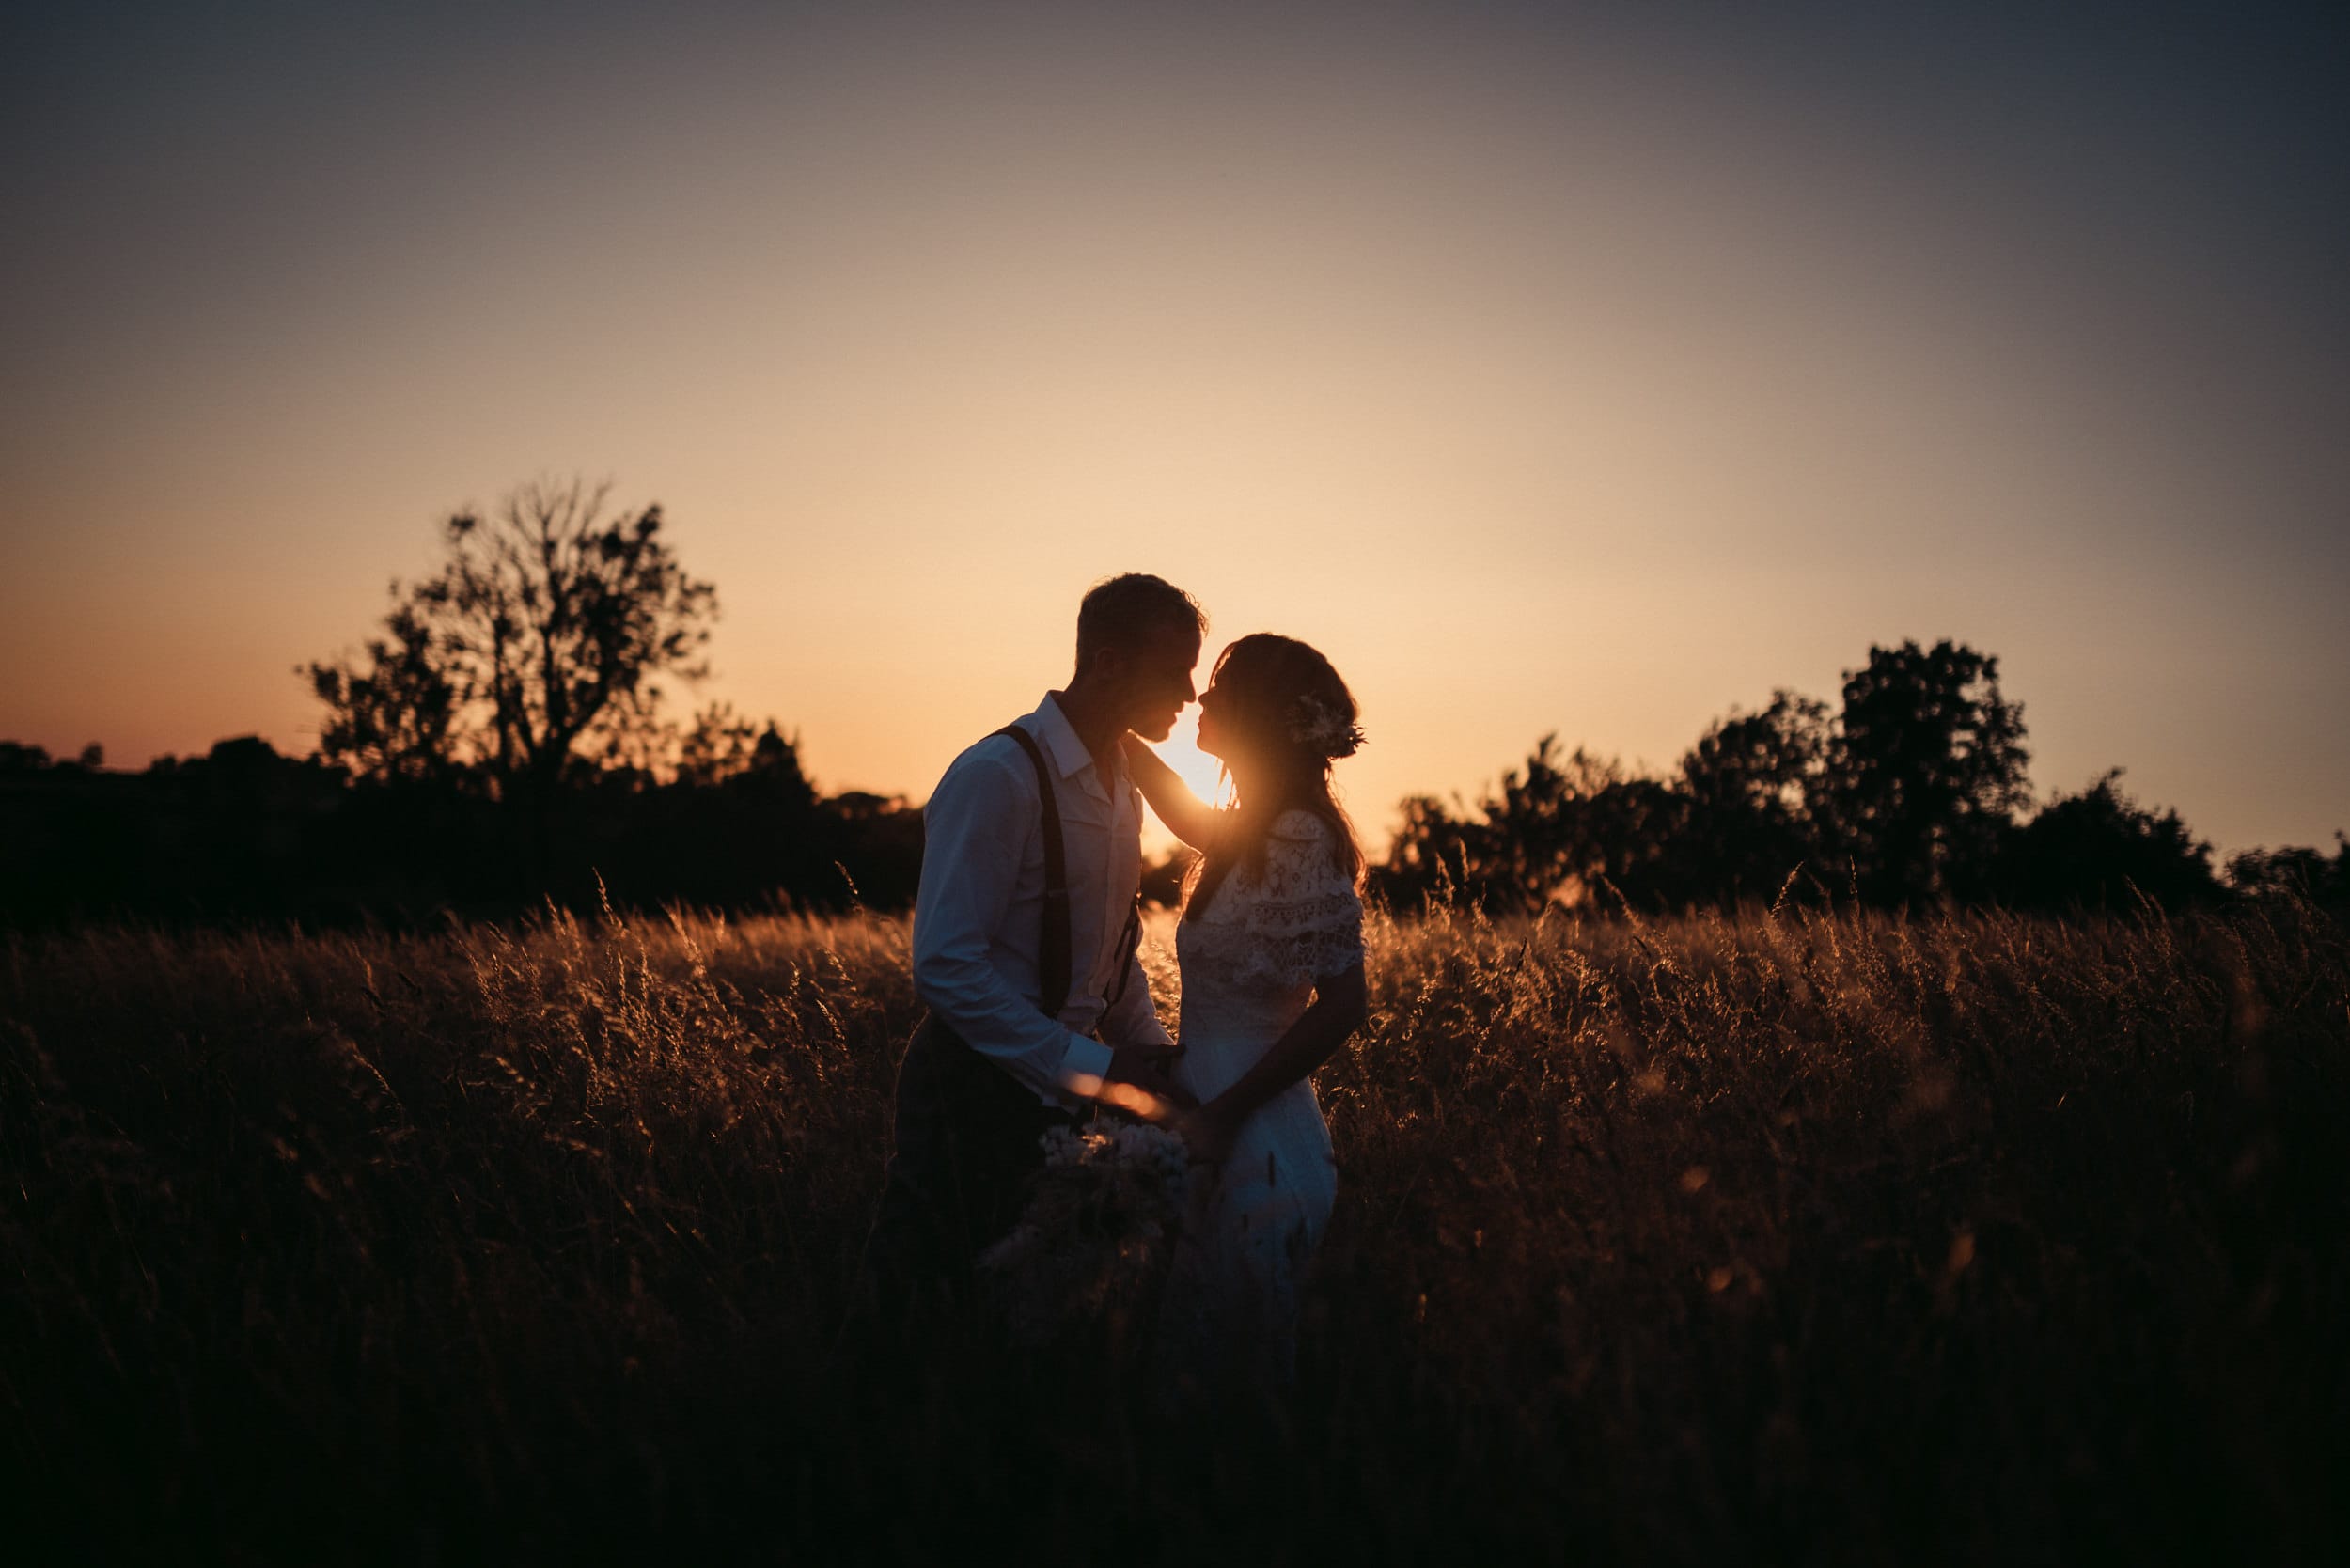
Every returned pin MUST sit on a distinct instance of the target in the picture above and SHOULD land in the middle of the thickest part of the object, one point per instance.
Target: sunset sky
(1553, 367)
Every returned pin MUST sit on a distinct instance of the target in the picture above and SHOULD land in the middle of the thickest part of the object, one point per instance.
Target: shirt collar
(1070, 756)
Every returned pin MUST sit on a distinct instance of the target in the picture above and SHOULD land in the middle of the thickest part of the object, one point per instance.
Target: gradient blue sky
(1580, 368)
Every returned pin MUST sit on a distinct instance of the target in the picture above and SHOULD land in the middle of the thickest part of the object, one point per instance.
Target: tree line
(506, 737)
(1911, 794)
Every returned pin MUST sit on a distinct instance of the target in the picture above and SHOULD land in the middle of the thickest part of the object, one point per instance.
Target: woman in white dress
(1271, 952)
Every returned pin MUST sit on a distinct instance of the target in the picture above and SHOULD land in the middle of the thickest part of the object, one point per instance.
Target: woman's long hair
(1283, 704)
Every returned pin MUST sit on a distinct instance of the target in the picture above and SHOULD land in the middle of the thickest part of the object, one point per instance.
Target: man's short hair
(1119, 612)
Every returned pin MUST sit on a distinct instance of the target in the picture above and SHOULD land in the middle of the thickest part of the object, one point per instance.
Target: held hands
(1139, 1080)
(1208, 1132)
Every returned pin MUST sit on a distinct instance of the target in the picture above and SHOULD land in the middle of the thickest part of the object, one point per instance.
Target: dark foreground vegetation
(1821, 1236)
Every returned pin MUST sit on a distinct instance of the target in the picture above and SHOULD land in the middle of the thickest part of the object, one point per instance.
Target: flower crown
(1323, 730)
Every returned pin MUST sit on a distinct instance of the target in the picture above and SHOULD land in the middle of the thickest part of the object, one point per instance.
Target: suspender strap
(1052, 960)
(1128, 942)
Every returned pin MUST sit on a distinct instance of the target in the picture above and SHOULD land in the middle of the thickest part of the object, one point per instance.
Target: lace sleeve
(1303, 919)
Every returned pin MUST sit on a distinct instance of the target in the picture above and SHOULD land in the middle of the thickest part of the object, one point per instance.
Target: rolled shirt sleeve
(974, 831)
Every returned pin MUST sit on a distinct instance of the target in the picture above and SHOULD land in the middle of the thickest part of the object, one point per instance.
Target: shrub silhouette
(2101, 850)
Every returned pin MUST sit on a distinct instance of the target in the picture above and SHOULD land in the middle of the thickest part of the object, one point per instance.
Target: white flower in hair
(1324, 728)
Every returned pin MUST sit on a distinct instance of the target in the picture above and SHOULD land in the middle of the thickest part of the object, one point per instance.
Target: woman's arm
(1341, 1005)
(1186, 815)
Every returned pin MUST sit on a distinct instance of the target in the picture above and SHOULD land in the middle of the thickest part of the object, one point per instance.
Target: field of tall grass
(1819, 1236)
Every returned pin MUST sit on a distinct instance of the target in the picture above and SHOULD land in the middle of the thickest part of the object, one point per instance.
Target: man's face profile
(1155, 680)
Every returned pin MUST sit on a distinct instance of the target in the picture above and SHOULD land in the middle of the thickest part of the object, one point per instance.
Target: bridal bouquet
(1097, 1235)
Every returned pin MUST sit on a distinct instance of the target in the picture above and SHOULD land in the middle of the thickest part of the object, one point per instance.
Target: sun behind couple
(1025, 935)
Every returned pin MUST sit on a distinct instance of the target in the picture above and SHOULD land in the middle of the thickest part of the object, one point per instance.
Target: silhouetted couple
(1040, 1015)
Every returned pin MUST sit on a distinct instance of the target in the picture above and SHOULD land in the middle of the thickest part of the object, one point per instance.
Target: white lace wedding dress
(1248, 965)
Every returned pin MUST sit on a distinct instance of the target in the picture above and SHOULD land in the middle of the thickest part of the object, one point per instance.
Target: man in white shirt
(1037, 1002)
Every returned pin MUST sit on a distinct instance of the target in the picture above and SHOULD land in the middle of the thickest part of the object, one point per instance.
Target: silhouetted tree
(2099, 848)
(1927, 770)
(1558, 830)
(1757, 786)
(539, 641)
(2295, 870)
(1548, 839)
(393, 718)
(1437, 853)
(722, 745)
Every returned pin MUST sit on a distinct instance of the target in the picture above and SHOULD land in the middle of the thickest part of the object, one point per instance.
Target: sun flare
(1202, 772)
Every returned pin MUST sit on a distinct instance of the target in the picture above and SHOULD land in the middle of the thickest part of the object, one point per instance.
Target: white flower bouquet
(1092, 1247)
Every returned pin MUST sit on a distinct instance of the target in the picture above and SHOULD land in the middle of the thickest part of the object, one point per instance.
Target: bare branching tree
(538, 647)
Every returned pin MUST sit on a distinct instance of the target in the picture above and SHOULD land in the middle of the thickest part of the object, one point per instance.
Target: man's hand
(1138, 1081)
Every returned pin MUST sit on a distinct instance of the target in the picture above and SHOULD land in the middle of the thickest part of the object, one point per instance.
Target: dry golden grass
(1825, 1236)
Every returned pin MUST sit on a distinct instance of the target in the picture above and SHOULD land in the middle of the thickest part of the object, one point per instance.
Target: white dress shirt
(978, 920)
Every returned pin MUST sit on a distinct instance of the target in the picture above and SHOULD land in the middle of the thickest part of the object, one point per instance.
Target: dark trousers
(966, 1145)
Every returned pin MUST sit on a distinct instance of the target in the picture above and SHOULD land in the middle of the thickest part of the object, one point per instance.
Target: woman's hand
(1186, 815)
(1209, 1132)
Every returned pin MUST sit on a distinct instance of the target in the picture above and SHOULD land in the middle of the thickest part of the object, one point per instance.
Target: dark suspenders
(1053, 950)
